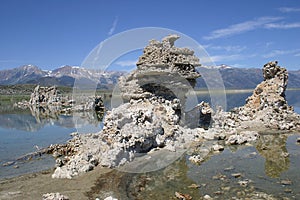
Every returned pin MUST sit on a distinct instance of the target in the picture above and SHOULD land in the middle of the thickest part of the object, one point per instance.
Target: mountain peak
(29, 67)
(65, 75)
(222, 66)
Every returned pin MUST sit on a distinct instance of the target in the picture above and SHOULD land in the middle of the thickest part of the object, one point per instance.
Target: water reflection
(160, 184)
(24, 122)
(273, 148)
(35, 118)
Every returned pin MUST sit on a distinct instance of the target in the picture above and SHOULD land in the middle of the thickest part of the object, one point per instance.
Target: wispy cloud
(288, 9)
(114, 25)
(227, 58)
(241, 27)
(228, 48)
(278, 52)
(239, 65)
(127, 63)
(297, 54)
(12, 61)
(282, 25)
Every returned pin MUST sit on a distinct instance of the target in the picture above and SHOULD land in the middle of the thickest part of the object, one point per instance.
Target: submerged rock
(243, 137)
(54, 196)
(110, 198)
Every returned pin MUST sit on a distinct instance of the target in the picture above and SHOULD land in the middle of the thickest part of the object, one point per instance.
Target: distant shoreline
(27, 89)
(233, 91)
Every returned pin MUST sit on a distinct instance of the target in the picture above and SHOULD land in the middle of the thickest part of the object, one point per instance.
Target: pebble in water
(236, 175)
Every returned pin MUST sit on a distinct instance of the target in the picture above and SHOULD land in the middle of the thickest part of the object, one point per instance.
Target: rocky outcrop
(44, 95)
(131, 130)
(149, 124)
(49, 102)
(270, 94)
(150, 119)
(163, 70)
(267, 108)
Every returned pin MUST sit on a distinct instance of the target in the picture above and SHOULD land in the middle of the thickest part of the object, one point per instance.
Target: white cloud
(288, 9)
(127, 63)
(283, 25)
(275, 53)
(114, 25)
(241, 27)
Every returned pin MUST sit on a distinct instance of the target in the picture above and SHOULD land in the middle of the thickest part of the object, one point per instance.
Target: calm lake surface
(263, 164)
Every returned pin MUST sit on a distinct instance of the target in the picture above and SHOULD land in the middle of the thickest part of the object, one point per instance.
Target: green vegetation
(7, 103)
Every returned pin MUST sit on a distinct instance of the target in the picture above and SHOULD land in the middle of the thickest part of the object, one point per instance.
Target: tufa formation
(146, 128)
(163, 70)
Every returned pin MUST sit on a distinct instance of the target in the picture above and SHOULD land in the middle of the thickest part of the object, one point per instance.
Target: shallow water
(263, 166)
(23, 133)
(16, 143)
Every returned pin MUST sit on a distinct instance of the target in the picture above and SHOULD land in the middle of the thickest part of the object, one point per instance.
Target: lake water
(263, 165)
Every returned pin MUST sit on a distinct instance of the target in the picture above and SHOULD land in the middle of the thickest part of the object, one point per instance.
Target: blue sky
(52, 33)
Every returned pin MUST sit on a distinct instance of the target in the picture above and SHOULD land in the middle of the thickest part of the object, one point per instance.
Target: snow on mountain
(222, 66)
(233, 78)
(64, 75)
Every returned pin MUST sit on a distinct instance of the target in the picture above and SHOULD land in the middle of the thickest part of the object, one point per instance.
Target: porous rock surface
(151, 119)
(48, 101)
(130, 130)
(163, 69)
(267, 108)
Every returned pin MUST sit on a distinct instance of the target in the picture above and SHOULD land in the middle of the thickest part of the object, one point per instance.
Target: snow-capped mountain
(222, 66)
(65, 75)
(233, 78)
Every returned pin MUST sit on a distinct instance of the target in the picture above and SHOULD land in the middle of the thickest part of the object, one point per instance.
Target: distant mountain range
(249, 78)
(233, 78)
(62, 76)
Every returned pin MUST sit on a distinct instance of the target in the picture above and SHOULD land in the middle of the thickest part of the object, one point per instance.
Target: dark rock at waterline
(205, 118)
